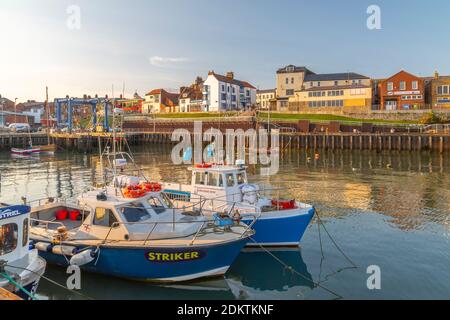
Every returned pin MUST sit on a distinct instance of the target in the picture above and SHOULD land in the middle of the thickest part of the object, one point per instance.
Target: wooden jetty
(5, 295)
(385, 141)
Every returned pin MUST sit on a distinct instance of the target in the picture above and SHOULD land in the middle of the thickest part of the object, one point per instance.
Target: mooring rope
(288, 267)
(53, 282)
(18, 285)
(320, 222)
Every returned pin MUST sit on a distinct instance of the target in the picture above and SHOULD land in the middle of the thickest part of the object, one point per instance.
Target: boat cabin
(14, 226)
(111, 216)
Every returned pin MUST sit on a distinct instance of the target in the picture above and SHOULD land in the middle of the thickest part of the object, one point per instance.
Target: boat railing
(202, 228)
(46, 223)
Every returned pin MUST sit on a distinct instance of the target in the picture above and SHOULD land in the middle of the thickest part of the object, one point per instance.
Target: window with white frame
(390, 86)
(402, 85)
(415, 85)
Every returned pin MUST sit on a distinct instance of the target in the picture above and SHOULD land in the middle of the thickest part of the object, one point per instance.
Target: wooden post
(441, 144)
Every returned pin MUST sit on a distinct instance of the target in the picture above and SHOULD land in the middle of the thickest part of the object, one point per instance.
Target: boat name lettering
(174, 256)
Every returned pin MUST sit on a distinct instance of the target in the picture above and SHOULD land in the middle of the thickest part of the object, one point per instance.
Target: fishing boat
(280, 222)
(128, 228)
(20, 266)
(49, 148)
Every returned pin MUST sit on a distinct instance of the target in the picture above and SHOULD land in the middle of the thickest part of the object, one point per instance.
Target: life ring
(151, 186)
(133, 192)
(203, 166)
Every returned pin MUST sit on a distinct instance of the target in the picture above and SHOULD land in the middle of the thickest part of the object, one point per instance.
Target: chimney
(436, 75)
(210, 73)
(230, 75)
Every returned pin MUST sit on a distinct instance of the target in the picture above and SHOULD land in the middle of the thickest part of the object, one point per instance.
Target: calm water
(389, 210)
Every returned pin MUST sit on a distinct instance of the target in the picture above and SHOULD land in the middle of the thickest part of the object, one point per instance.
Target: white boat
(25, 152)
(20, 266)
(280, 222)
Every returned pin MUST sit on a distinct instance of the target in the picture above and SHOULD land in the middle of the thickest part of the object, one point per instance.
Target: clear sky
(166, 43)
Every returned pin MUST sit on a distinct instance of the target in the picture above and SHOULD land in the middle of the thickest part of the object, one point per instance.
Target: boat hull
(157, 264)
(274, 230)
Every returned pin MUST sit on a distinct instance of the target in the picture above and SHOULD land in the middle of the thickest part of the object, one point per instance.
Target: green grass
(195, 115)
(328, 118)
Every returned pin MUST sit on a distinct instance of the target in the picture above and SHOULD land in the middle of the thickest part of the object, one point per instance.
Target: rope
(53, 282)
(334, 242)
(15, 283)
(288, 267)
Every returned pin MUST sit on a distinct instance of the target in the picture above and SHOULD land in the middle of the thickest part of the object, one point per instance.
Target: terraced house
(333, 93)
(225, 93)
(160, 101)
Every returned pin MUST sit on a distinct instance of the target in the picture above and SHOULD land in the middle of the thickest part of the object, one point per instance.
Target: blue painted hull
(280, 231)
(148, 263)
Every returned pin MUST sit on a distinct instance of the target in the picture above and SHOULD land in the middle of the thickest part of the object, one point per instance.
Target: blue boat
(143, 238)
(20, 267)
(225, 188)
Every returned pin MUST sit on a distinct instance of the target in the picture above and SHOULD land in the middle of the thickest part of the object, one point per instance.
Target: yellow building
(333, 93)
(266, 99)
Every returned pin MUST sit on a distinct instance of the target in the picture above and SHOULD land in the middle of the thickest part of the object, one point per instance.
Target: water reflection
(257, 275)
(254, 275)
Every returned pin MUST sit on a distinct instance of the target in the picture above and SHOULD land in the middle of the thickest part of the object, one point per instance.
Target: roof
(266, 91)
(225, 79)
(292, 69)
(351, 86)
(402, 71)
(334, 76)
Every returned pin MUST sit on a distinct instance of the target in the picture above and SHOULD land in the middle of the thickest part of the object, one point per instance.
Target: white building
(224, 93)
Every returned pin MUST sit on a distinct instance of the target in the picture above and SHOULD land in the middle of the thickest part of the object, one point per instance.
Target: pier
(88, 142)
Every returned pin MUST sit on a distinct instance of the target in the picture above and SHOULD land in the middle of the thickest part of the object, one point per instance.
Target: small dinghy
(20, 266)
(25, 152)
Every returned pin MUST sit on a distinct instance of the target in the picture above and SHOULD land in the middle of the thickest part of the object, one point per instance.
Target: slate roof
(334, 76)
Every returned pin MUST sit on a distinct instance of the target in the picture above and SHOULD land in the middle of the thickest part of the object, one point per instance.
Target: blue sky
(155, 43)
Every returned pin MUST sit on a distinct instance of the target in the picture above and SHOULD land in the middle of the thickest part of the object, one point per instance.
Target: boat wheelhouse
(20, 266)
(280, 222)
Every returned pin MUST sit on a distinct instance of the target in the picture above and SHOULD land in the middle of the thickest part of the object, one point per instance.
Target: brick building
(402, 91)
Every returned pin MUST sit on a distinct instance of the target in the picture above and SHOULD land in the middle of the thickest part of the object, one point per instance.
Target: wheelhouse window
(213, 179)
(230, 180)
(200, 178)
(104, 218)
(8, 238)
(25, 232)
(241, 178)
(135, 212)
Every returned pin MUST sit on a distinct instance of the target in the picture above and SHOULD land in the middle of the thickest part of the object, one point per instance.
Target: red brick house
(402, 91)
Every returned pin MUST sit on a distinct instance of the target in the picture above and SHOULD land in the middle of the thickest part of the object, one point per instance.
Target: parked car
(19, 127)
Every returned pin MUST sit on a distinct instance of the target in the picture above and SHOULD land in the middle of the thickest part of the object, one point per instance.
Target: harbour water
(390, 210)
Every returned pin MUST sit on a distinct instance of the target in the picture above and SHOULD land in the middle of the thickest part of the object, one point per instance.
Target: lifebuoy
(133, 192)
(151, 187)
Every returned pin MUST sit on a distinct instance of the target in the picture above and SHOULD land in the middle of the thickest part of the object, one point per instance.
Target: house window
(224, 96)
(446, 89)
(336, 83)
(290, 92)
(223, 88)
(415, 85)
(287, 80)
(402, 85)
(390, 86)
(292, 80)
(318, 84)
